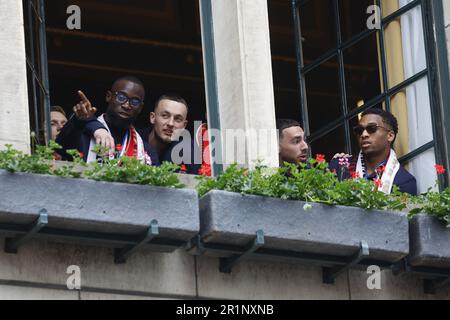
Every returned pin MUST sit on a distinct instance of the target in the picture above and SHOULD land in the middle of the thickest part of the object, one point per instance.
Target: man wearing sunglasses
(377, 161)
(125, 102)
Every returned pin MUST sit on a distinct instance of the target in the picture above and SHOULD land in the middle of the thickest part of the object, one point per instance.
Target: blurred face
(168, 116)
(58, 120)
(125, 102)
(293, 147)
(374, 136)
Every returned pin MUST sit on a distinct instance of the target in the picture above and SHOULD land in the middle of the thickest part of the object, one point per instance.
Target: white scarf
(387, 179)
(142, 155)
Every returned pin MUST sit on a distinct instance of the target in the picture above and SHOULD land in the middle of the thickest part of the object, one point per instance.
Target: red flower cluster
(119, 147)
(440, 169)
(320, 158)
(183, 168)
(355, 175)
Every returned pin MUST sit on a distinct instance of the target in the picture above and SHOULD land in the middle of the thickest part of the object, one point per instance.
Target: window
(37, 73)
(345, 68)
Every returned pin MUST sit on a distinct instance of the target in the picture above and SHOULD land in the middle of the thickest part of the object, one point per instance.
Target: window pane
(323, 94)
(405, 47)
(362, 72)
(284, 59)
(330, 144)
(390, 6)
(353, 16)
(318, 28)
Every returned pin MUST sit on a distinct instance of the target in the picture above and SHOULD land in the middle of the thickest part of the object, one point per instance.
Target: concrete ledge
(430, 242)
(233, 219)
(102, 207)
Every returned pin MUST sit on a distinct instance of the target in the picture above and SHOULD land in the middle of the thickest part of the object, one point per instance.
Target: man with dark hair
(292, 146)
(377, 161)
(169, 115)
(125, 102)
(58, 119)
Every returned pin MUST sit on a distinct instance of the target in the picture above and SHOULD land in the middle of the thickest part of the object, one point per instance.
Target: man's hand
(84, 109)
(104, 138)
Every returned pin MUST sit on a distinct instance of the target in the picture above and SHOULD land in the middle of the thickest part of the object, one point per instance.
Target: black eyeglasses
(122, 98)
(371, 128)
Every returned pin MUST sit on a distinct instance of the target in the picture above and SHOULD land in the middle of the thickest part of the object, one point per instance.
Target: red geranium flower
(440, 169)
(205, 170)
(183, 168)
(320, 158)
(355, 175)
(118, 147)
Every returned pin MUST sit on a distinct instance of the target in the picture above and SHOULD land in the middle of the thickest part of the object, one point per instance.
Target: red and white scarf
(387, 178)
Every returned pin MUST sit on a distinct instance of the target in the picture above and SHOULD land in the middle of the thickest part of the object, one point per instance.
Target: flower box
(232, 219)
(430, 242)
(93, 207)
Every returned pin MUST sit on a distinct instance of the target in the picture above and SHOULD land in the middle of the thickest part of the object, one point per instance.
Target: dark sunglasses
(122, 98)
(371, 129)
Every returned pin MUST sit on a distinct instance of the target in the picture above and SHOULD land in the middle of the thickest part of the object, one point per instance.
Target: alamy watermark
(74, 20)
(374, 20)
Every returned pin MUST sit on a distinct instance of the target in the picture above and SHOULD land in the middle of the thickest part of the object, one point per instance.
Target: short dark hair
(58, 109)
(388, 118)
(172, 97)
(285, 124)
(131, 79)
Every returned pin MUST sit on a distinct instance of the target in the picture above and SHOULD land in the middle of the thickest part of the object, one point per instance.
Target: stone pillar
(244, 81)
(14, 115)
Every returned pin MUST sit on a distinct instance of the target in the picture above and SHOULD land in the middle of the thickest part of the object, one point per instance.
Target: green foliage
(317, 184)
(126, 170)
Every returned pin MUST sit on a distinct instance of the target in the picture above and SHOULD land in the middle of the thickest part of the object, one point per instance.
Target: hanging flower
(377, 183)
(440, 169)
(343, 162)
(320, 158)
(205, 170)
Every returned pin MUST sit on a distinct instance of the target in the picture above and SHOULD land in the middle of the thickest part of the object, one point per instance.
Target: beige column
(244, 79)
(14, 116)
